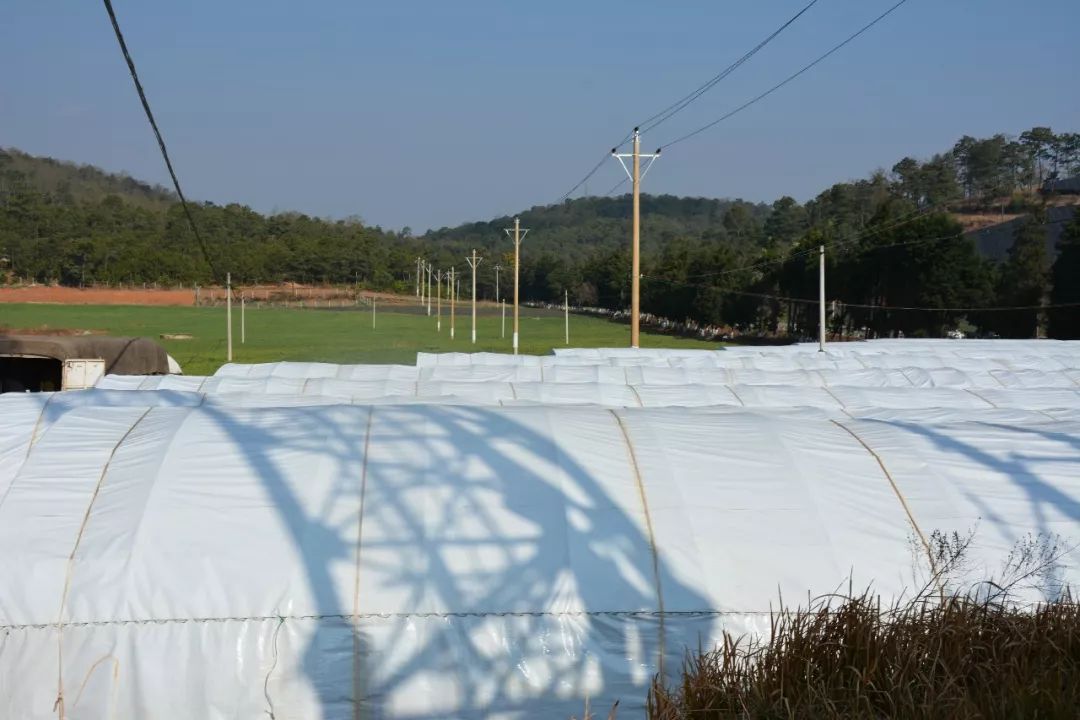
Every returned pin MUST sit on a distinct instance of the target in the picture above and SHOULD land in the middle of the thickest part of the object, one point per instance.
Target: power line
(681, 103)
(814, 301)
(157, 133)
(676, 107)
(787, 80)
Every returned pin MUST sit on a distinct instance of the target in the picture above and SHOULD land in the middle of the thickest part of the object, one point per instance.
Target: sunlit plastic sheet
(172, 555)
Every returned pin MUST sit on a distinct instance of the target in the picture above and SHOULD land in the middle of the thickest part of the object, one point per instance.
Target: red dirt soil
(95, 296)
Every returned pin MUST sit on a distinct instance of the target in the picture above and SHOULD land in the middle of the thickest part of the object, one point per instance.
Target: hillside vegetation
(898, 261)
(70, 183)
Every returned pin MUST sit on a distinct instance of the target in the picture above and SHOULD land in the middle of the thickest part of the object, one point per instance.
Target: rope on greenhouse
(58, 706)
(896, 491)
(652, 536)
(833, 396)
(29, 447)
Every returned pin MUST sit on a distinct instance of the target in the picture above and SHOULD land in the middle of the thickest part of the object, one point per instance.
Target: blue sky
(428, 113)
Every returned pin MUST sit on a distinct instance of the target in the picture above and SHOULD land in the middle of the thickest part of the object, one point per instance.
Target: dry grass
(933, 657)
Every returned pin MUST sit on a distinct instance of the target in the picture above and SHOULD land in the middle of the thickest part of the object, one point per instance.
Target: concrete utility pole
(429, 269)
(636, 175)
(821, 299)
(243, 324)
(502, 334)
(497, 269)
(453, 303)
(438, 301)
(473, 263)
(228, 316)
(518, 236)
(566, 311)
(419, 266)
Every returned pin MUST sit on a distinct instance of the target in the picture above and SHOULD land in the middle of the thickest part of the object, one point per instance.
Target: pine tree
(1023, 280)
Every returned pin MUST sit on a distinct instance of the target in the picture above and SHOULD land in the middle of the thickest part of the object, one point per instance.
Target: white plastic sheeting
(659, 394)
(430, 561)
(291, 540)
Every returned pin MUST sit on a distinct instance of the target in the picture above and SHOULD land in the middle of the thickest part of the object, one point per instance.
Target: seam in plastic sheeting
(636, 396)
(652, 538)
(356, 583)
(969, 390)
(896, 490)
(906, 377)
(395, 616)
(993, 374)
(58, 706)
(731, 390)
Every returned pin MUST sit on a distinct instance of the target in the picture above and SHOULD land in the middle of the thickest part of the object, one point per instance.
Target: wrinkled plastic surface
(174, 553)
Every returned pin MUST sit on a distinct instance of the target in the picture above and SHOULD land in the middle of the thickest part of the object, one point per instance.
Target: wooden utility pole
(453, 302)
(518, 236)
(474, 262)
(821, 299)
(228, 316)
(636, 174)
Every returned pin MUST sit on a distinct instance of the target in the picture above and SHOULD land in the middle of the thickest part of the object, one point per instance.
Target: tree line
(898, 261)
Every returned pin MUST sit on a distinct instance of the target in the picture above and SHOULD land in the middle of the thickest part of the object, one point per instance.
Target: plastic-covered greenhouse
(495, 536)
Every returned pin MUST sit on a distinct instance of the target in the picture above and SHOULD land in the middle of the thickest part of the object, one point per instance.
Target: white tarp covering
(433, 561)
(301, 540)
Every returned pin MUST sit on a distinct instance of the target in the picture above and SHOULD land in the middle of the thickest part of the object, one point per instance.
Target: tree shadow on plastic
(494, 572)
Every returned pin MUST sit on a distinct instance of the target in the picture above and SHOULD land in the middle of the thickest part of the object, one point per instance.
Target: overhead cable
(788, 79)
(157, 134)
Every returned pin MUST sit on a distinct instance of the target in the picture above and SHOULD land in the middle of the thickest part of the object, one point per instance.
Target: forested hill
(68, 182)
(899, 252)
(586, 225)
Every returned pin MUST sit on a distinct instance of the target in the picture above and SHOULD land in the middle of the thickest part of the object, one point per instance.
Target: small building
(1062, 186)
(41, 363)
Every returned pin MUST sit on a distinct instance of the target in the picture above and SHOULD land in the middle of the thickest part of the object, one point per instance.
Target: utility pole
(419, 265)
(636, 176)
(438, 300)
(502, 334)
(243, 324)
(373, 311)
(453, 303)
(474, 262)
(518, 236)
(497, 269)
(566, 311)
(228, 316)
(821, 299)
(429, 269)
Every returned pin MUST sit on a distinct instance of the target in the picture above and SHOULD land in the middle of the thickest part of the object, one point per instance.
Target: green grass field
(342, 336)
